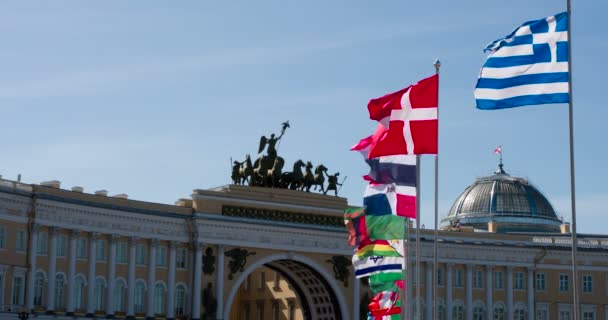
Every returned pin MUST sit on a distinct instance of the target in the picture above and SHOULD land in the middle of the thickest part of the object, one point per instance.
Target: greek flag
(527, 67)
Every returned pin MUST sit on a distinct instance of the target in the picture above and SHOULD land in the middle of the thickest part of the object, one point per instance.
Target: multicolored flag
(385, 248)
(498, 150)
(527, 67)
(368, 228)
(407, 120)
(367, 266)
(383, 199)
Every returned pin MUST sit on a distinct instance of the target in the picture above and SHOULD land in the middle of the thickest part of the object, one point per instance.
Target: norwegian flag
(498, 150)
(407, 120)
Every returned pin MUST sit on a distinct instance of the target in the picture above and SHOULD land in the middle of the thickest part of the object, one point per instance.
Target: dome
(511, 202)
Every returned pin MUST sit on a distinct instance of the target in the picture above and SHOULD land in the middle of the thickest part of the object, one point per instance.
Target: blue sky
(153, 98)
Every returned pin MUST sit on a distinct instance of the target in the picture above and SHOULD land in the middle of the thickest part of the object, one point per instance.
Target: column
(469, 293)
(171, 280)
(489, 294)
(151, 279)
(219, 283)
(530, 293)
(111, 277)
(509, 293)
(131, 280)
(429, 291)
(72, 272)
(448, 291)
(32, 271)
(91, 278)
(50, 295)
(356, 298)
(196, 288)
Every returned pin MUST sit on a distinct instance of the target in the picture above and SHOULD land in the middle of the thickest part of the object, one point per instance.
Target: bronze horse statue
(294, 179)
(246, 171)
(308, 178)
(273, 175)
(261, 167)
(319, 178)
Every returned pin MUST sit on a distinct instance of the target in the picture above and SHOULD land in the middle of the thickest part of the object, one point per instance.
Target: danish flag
(498, 150)
(407, 120)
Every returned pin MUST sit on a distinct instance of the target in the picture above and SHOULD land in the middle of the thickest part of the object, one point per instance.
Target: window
(139, 297)
(180, 300)
(541, 283)
(262, 281)
(119, 295)
(81, 248)
(62, 245)
(519, 281)
(98, 294)
(140, 255)
(458, 313)
(38, 288)
(587, 283)
(458, 279)
(440, 277)
(519, 314)
(121, 252)
(41, 245)
(59, 291)
(588, 315)
(20, 240)
(101, 250)
(564, 315)
(2, 238)
(78, 290)
(245, 311)
(563, 282)
(182, 258)
(159, 299)
(499, 312)
(260, 306)
(498, 280)
(478, 312)
(541, 314)
(161, 256)
(18, 290)
(477, 279)
(440, 312)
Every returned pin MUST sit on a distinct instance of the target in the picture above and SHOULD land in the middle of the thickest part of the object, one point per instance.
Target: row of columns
(111, 276)
(509, 310)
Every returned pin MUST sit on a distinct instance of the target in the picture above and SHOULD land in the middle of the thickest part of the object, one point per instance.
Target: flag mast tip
(437, 65)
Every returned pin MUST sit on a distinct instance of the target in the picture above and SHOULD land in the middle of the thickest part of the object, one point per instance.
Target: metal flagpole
(406, 255)
(417, 270)
(572, 190)
(435, 232)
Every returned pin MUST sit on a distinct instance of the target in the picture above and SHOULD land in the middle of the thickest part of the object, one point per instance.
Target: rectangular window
(541, 283)
(588, 315)
(2, 238)
(440, 277)
(587, 283)
(519, 281)
(101, 250)
(498, 280)
(42, 244)
(161, 256)
(458, 279)
(81, 248)
(121, 252)
(478, 279)
(20, 240)
(261, 281)
(542, 314)
(564, 315)
(62, 245)
(563, 282)
(182, 258)
(18, 289)
(140, 255)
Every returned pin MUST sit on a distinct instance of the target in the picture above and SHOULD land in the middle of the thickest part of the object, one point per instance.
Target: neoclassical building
(249, 253)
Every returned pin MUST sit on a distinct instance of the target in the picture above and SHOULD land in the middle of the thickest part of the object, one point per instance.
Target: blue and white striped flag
(527, 67)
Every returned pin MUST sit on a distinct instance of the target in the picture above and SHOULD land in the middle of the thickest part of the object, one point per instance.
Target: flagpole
(417, 270)
(572, 190)
(406, 255)
(437, 64)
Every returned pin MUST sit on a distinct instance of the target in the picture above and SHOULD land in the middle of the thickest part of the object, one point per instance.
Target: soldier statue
(332, 183)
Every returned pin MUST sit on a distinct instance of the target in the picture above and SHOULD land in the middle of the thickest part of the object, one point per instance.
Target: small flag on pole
(498, 150)
(527, 67)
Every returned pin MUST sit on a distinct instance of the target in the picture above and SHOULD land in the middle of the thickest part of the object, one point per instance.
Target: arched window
(59, 291)
(499, 312)
(478, 312)
(180, 300)
(159, 299)
(38, 288)
(119, 295)
(140, 293)
(520, 313)
(78, 289)
(98, 294)
(458, 312)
